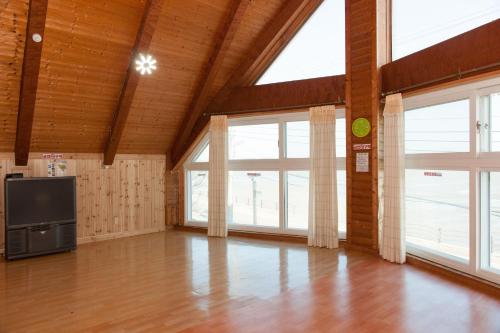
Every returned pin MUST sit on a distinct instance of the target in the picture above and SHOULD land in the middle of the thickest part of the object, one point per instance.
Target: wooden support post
(365, 53)
(29, 79)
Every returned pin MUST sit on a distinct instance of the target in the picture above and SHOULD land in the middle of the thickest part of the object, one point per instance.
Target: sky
(318, 49)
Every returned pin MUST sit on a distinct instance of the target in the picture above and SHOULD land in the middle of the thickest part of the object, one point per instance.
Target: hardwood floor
(178, 281)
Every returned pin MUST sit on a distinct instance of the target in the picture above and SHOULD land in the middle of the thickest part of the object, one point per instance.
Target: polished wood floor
(182, 282)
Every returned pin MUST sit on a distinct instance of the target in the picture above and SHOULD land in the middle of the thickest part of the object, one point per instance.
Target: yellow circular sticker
(361, 127)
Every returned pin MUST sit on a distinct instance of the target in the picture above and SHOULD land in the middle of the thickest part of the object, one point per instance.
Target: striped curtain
(323, 210)
(217, 177)
(392, 241)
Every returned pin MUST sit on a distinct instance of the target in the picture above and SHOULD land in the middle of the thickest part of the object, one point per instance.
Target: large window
(268, 182)
(453, 177)
(419, 24)
(321, 41)
(253, 198)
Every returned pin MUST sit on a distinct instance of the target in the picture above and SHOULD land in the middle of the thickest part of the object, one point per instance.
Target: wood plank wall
(363, 29)
(126, 199)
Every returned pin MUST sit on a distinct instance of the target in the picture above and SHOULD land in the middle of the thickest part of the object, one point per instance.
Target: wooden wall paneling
(125, 199)
(172, 195)
(471, 53)
(29, 78)
(182, 198)
(223, 40)
(152, 11)
(362, 100)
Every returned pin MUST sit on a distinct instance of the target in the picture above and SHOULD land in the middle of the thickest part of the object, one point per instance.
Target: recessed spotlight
(37, 38)
(145, 64)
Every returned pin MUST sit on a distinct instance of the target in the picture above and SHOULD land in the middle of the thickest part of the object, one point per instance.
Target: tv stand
(39, 239)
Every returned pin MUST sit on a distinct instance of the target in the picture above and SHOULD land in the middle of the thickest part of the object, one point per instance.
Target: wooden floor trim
(465, 279)
(250, 234)
(255, 235)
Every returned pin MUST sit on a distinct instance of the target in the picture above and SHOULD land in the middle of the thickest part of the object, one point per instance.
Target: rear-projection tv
(31, 201)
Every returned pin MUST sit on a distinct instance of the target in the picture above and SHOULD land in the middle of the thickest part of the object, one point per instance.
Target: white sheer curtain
(392, 242)
(217, 177)
(323, 210)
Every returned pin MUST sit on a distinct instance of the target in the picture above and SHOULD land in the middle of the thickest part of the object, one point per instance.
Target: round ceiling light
(37, 38)
(145, 64)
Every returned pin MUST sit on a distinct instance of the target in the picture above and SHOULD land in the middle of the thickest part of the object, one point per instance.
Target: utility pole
(253, 177)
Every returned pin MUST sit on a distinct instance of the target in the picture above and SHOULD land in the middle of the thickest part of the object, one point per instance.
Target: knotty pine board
(126, 199)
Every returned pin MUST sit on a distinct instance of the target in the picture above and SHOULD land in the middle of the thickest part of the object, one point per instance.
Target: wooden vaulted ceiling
(85, 55)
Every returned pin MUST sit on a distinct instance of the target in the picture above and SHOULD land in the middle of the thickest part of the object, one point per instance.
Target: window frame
(475, 162)
(282, 164)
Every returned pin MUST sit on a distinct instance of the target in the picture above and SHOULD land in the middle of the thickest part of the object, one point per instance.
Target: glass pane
(341, 195)
(340, 137)
(297, 204)
(415, 26)
(437, 211)
(198, 183)
(254, 142)
(490, 114)
(254, 198)
(297, 187)
(321, 41)
(297, 139)
(442, 128)
(203, 155)
(494, 227)
(495, 121)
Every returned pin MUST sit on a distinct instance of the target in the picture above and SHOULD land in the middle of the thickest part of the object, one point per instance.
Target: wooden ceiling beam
(152, 11)
(268, 44)
(29, 79)
(471, 53)
(223, 41)
(290, 95)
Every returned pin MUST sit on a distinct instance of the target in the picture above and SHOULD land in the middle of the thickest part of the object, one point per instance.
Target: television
(31, 201)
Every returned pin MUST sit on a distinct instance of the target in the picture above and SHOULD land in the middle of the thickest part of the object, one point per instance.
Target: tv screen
(40, 200)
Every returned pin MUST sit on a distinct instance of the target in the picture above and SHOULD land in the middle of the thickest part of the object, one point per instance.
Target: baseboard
(104, 237)
(454, 275)
(255, 235)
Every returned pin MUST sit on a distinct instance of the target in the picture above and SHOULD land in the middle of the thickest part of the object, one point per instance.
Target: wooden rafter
(268, 44)
(223, 41)
(471, 53)
(29, 79)
(285, 95)
(152, 10)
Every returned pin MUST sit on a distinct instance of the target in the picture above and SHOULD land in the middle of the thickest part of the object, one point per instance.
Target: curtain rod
(341, 102)
(459, 75)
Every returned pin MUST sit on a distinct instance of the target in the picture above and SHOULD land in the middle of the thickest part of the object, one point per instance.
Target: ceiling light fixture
(37, 38)
(145, 64)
